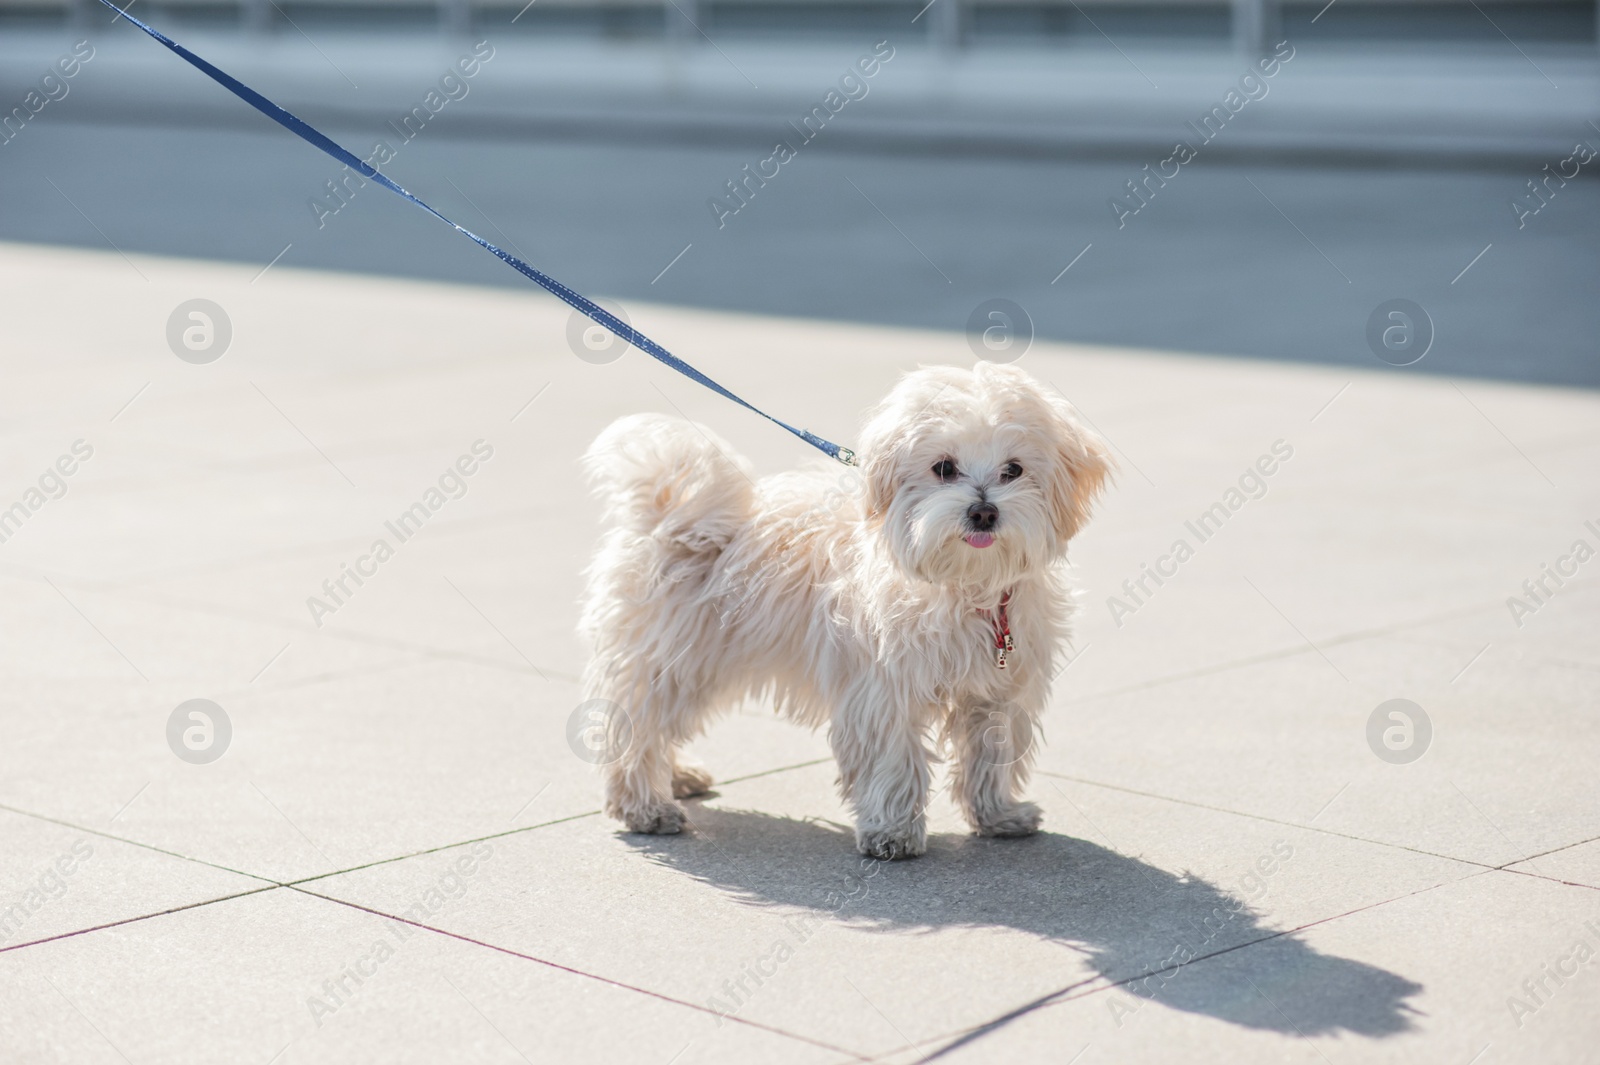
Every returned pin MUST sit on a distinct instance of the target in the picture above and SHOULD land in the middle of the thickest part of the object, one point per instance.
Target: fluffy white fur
(859, 611)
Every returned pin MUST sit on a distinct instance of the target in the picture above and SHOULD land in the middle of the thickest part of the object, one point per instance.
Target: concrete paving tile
(289, 978)
(1464, 516)
(141, 508)
(202, 467)
(272, 319)
(1216, 620)
(1284, 738)
(1414, 430)
(479, 589)
(1428, 977)
(1282, 568)
(1232, 605)
(769, 880)
(1384, 438)
(328, 776)
(1470, 794)
(323, 776)
(1286, 875)
(1558, 631)
(58, 880)
(60, 629)
(1554, 642)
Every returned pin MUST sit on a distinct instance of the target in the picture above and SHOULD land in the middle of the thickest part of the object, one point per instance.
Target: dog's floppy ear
(893, 430)
(879, 464)
(1083, 463)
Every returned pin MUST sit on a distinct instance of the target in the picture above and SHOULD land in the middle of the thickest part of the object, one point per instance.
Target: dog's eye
(1010, 472)
(945, 470)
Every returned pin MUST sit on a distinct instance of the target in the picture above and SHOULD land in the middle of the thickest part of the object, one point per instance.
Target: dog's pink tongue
(980, 539)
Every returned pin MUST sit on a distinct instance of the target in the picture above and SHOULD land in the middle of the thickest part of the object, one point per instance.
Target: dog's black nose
(983, 516)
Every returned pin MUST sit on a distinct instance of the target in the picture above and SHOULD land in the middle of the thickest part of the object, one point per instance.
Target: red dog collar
(1001, 624)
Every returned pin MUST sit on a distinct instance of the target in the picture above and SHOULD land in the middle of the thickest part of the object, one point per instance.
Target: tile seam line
(579, 972)
(1503, 866)
(1287, 932)
(141, 917)
(1064, 995)
(430, 653)
(1274, 656)
(1487, 866)
(335, 676)
(442, 847)
(273, 885)
(914, 1045)
(1552, 850)
(272, 882)
(452, 935)
(1549, 879)
(529, 828)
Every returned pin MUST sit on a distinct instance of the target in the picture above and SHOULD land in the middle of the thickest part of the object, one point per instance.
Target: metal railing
(947, 24)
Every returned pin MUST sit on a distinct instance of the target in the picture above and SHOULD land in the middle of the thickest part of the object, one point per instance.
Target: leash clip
(846, 456)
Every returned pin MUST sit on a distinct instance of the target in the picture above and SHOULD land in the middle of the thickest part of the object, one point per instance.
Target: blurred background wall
(1028, 150)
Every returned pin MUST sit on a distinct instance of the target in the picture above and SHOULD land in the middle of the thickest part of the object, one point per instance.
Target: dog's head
(977, 476)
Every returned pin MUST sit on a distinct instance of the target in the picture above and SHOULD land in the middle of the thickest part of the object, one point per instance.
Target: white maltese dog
(928, 607)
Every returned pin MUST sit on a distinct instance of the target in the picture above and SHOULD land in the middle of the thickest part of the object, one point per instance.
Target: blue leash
(613, 324)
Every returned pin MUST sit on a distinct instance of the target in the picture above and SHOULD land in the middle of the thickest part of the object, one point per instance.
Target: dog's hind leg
(689, 779)
(675, 499)
(639, 793)
(644, 779)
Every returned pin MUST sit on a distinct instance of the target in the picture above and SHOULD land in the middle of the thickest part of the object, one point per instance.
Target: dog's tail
(671, 482)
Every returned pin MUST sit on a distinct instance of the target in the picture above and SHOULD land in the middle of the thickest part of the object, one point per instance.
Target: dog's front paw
(660, 819)
(689, 781)
(891, 845)
(1017, 819)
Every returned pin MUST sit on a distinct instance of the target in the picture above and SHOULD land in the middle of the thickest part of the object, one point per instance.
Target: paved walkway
(397, 856)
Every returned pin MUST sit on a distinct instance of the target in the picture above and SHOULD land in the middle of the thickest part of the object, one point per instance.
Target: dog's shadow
(1124, 918)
